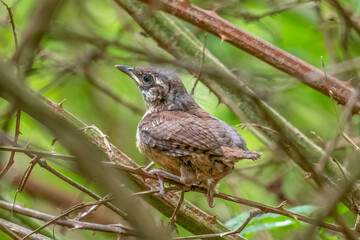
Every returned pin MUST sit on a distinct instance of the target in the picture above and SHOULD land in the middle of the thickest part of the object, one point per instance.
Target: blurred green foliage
(308, 30)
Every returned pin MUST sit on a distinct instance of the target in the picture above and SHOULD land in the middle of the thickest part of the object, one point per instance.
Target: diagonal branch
(211, 22)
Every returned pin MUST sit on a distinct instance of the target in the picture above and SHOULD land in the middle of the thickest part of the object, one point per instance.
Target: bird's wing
(226, 135)
(178, 133)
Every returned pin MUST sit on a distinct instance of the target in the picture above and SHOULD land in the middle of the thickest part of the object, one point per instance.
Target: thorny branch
(211, 22)
(201, 66)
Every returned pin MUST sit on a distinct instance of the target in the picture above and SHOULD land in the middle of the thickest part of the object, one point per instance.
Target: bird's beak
(130, 72)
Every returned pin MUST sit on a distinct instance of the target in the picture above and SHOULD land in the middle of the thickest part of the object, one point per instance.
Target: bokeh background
(74, 64)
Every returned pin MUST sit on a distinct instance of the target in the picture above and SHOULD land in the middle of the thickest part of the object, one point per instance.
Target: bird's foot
(161, 174)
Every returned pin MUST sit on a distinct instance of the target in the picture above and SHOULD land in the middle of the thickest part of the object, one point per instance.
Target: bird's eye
(148, 79)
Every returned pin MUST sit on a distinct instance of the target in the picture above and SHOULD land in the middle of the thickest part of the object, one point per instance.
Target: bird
(192, 146)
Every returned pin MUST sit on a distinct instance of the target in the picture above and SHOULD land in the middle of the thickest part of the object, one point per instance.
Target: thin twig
(114, 228)
(20, 230)
(44, 165)
(12, 24)
(66, 213)
(250, 17)
(176, 211)
(25, 177)
(331, 146)
(247, 125)
(146, 192)
(91, 209)
(201, 66)
(39, 154)
(18, 111)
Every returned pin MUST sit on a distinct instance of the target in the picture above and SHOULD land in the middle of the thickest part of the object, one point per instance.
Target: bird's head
(160, 88)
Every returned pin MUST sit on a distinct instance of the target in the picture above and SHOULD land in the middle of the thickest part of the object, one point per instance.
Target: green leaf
(269, 220)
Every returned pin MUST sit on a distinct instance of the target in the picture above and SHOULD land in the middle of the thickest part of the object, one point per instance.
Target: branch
(19, 230)
(18, 111)
(73, 224)
(211, 22)
(39, 154)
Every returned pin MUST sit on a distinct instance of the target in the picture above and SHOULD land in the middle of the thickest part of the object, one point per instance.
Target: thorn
(18, 132)
(185, 3)
(308, 175)
(213, 218)
(223, 38)
(54, 141)
(60, 104)
(294, 217)
(213, 12)
(348, 83)
(283, 203)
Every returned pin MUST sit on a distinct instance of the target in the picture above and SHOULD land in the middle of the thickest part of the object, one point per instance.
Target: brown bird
(193, 147)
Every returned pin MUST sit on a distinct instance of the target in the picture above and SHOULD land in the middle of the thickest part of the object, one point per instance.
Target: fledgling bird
(193, 147)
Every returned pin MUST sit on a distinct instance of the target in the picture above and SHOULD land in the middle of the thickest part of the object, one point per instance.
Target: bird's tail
(234, 155)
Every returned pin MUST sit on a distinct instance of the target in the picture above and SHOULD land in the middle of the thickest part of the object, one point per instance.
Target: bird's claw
(160, 175)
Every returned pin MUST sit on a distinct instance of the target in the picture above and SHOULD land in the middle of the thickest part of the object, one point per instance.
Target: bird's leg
(212, 182)
(161, 174)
